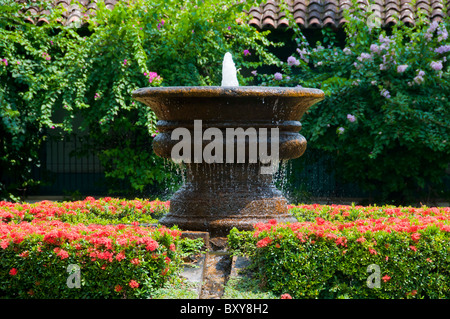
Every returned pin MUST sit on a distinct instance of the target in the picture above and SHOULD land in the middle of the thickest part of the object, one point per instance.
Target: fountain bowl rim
(227, 91)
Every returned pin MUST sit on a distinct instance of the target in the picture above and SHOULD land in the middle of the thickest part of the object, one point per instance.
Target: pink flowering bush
(327, 253)
(396, 83)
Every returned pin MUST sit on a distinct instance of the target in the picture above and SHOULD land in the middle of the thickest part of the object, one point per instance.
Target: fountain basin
(223, 194)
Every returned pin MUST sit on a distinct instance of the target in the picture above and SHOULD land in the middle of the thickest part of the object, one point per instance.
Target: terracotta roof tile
(306, 13)
(318, 13)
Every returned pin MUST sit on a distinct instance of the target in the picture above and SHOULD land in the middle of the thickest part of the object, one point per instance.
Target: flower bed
(353, 252)
(43, 257)
(89, 211)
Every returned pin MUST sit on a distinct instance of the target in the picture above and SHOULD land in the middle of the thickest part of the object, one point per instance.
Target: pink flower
(386, 278)
(293, 61)
(351, 118)
(246, 52)
(278, 76)
(413, 248)
(286, 296)
(402, 68)
(385, 93)
(437, 66)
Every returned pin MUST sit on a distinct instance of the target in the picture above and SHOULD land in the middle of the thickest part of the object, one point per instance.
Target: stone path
(212, 270)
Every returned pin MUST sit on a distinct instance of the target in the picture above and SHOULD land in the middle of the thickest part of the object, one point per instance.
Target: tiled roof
(321, 13)
(74, 12)
(307, 13)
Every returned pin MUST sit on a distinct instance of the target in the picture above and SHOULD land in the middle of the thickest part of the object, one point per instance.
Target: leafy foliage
(57, 79)
(327, 253)
(385, 118)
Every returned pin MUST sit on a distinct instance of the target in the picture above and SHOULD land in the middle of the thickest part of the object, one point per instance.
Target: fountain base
(233, 196)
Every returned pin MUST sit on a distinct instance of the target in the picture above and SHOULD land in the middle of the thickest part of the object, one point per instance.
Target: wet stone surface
(217, 270)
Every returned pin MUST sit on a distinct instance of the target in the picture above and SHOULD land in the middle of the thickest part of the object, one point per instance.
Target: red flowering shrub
(113, 261)
(89, 211)
(326, 254)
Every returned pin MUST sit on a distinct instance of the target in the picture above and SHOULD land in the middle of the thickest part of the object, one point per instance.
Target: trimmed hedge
(103, 211)
(342, 251)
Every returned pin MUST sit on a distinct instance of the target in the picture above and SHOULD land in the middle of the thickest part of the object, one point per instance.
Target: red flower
(4, 243)
(320, 221)
(120, 256)
(263, 242)
(152, 245)
(133, 284)
(361, 239)
(286, 296)
(386, 278)
(135, 261)
(415, 236)
(63, 254)
(13, 271)
(118, 288)
(373, 251)
(413, 248)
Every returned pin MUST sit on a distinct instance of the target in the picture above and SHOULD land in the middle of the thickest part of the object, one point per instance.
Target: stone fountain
(229, 178)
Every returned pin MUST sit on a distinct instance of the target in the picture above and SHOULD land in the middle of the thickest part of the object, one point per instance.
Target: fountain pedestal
(219, 196)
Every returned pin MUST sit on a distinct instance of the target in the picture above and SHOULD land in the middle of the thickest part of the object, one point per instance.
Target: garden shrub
(44, 247)
(385, 118)
(103, 211)
(77, 79)
(115, 261)
(333, 251)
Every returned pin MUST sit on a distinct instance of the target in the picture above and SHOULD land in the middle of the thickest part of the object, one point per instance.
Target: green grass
(245, 286)
(178, 288)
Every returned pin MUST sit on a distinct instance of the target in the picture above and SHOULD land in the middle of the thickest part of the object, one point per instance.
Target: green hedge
(353, 252)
